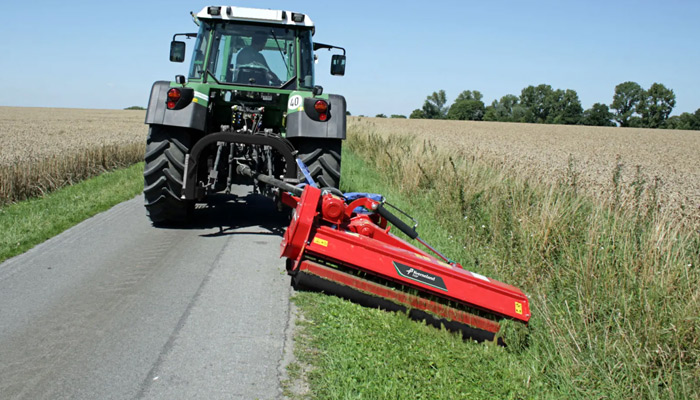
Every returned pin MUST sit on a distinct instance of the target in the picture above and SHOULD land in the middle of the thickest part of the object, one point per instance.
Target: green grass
(28, 223)
(614, 293)
(361, 353)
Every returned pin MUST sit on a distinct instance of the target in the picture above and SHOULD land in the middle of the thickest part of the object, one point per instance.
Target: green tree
(434, 106)
(504, 110)
(380, 116)
(472, 110)
(417, 114)
(694, 120)
(537, 102)
(635, 122)
(520, 113)
(598, 115)
(674, 122)
(467, 106)
(398, 116)
(627, 97)
(656, 105)
(687, 121)
(469, 95)
(565, 107)
(347, 113)
(490, 112)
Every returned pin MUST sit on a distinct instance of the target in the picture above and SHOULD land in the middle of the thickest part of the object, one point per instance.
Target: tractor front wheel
(166, 148)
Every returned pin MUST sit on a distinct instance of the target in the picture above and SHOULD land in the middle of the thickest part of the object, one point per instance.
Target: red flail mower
(345, 248)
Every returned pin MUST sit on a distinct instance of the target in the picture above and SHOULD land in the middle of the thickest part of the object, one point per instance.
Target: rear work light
(173, 97)
(321, 108)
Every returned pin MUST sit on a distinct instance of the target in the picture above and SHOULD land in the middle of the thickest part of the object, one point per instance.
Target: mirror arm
(187, 35)
(318, 46)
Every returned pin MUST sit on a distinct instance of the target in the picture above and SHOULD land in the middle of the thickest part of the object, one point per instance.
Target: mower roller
(344, 247)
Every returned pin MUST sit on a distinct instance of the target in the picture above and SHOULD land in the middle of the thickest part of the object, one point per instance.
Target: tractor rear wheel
(166, 148)
(322, 158)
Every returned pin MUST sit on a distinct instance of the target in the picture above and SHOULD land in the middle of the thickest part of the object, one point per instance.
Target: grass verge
(30, 222)
(614, 292)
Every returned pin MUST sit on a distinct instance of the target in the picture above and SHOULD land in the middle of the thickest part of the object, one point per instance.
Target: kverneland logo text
(415, 274)
(407, 271)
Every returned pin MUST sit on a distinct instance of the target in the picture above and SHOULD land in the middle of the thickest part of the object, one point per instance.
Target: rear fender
(303, 122)
(192, 115)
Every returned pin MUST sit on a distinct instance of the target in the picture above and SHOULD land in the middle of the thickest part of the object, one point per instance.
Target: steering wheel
(257, 70)
(274, 80)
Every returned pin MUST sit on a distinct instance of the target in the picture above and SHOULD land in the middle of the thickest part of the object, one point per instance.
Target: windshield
(247, 54)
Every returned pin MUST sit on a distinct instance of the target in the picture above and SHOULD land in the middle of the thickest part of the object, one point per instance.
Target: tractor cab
(253, 47)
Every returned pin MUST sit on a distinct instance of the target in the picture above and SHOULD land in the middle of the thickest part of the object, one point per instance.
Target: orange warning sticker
(518, 308)
(321, 242)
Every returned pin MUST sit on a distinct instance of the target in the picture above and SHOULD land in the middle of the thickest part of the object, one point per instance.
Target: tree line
(632, 106)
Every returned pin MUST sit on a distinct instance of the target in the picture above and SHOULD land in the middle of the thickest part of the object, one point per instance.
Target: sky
(90, 54)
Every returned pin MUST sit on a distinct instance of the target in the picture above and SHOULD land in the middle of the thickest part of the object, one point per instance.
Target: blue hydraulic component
(306, 173)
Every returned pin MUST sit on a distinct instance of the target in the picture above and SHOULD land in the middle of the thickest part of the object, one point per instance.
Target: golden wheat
(46, 148)
(614, 165)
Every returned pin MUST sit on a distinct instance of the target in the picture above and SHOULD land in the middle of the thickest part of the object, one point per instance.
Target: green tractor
(248, 103)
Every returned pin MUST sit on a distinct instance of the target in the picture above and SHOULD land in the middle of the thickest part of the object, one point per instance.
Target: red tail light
(321, 107)
(173, 97)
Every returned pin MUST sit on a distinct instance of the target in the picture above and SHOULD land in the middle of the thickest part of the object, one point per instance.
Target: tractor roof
(228, 13)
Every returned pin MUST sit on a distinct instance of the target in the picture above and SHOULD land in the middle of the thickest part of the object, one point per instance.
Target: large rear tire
(166, 148)
(322, 157)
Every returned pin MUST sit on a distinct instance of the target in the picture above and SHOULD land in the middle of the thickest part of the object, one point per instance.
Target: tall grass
(614, 289)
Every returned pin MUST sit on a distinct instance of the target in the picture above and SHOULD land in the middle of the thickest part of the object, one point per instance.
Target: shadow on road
(231, 214)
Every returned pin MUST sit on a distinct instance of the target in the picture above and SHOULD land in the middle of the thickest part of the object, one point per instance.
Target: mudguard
(301, 124)
(193, 115)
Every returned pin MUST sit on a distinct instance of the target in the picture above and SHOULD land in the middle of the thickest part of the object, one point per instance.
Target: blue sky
(107, 54)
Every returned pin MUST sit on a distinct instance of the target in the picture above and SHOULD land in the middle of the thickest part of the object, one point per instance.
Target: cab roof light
(214, 10)
(298, 17)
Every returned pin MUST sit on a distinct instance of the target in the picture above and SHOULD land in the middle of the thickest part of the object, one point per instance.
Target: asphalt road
(117, 309)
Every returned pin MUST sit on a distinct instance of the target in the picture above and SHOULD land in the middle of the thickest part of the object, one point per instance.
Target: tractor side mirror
(338, 64)
(177, 51)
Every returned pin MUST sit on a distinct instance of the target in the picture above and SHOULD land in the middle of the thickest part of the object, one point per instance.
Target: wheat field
(610, 164)
(43, 149)
(46, 148)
